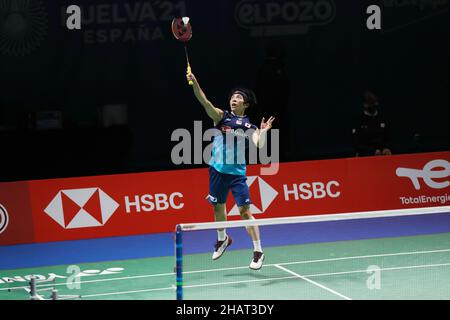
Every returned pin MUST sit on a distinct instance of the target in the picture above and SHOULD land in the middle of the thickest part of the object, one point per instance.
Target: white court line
(37, 296)
(261, 280)
(312, 282)
(324, 260)
(366, 256)
(125, 292)
(237, 268)
(381, 269)
(192, 286)
(97, 280)
(234, 282)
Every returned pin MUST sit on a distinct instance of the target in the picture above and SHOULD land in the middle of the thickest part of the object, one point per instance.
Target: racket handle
(189, 71)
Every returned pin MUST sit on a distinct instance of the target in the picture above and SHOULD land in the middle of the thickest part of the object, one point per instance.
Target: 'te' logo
(428, 174)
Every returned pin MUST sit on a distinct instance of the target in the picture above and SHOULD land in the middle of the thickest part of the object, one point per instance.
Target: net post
(33, 290)
(179, 262)
(55, 294)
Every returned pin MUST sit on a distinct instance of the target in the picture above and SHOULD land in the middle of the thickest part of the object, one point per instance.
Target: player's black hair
(248, 95)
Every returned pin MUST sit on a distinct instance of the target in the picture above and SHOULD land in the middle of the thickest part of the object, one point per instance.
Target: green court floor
(416, 267)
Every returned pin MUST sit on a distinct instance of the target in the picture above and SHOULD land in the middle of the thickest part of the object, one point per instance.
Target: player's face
(237, 103)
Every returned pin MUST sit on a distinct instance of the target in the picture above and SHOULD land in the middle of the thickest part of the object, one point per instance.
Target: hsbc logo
(156, 202)
(428, 173)
(314, 190)
(81, 208)
(4, 219)
(266, 193)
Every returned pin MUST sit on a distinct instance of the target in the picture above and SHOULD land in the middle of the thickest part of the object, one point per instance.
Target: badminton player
(225, 175)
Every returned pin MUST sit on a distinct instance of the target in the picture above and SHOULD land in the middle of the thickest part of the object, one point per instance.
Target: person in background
(370, 134)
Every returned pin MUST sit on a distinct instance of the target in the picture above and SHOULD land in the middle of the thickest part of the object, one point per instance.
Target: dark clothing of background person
(370, 134)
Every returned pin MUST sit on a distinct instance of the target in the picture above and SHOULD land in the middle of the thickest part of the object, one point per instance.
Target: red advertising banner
(400, 182)
(300, 188)
(16, 224)
(104, 206)
(359, 184)
(129, 204)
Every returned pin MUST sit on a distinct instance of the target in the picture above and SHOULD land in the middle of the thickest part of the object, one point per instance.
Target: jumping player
(226, 175)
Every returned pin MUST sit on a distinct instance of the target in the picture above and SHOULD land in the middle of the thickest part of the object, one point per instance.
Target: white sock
(257, 246)
(221, 235)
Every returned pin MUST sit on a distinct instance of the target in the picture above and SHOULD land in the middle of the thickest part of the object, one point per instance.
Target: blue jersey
(229, 145)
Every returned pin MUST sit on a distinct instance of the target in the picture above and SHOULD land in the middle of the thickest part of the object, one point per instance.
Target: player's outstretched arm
(214, 113)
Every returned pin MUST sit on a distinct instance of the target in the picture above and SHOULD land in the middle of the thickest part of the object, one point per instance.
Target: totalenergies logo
(272, 18)
(429, 173)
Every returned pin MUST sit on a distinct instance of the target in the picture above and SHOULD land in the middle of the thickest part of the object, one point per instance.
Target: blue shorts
(220, 185)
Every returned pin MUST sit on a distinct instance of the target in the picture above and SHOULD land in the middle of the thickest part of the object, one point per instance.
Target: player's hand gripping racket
(182, 31)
